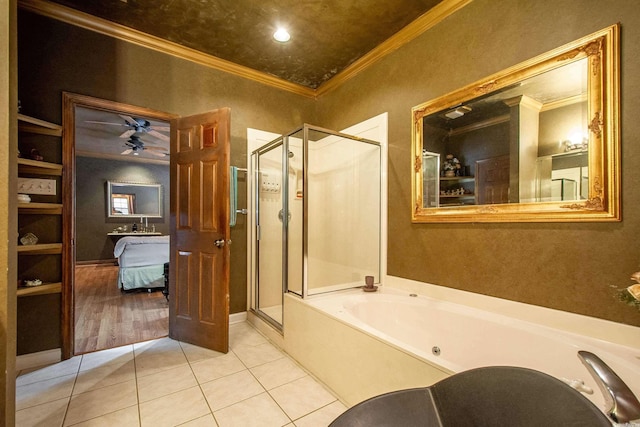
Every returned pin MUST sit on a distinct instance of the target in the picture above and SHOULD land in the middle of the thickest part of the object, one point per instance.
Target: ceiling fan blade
(128, 133)
(161, 128)
(153, 143)
(158, 135)
(127, 151)
(130, 119)
(156, 153)
(104, 123)
(155, 148)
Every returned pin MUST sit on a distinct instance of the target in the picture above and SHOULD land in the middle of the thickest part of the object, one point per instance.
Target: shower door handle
(281, 215)
(219, 243)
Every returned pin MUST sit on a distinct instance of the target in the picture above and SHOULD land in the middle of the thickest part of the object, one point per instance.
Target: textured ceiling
(326, 35)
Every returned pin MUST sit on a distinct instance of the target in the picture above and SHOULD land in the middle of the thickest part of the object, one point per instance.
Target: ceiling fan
(136, 146)
(137, 126)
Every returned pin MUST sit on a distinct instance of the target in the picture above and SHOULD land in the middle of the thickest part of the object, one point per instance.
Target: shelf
(33, 125)
(455, 196)
(40, 208)
(48, 288)
(458, 178)
(37, 167)
(40, 249)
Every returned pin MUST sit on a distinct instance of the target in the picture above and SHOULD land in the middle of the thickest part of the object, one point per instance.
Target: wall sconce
(576, 142)
(572, 146)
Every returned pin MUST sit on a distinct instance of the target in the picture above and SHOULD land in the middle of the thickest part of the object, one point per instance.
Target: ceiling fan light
(282, 35)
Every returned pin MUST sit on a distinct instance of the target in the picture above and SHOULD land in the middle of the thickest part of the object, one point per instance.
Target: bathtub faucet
(622, 404)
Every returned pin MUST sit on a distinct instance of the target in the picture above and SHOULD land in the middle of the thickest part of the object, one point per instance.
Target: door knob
(219, 243)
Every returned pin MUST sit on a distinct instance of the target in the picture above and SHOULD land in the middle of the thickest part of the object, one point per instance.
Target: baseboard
(33, 360)
(237, 317)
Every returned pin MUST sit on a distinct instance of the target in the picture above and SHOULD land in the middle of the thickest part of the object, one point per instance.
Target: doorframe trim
(69, 103)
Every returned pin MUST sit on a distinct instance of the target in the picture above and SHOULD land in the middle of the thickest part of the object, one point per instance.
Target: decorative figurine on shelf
(451, 166)
(35, 155)
(32, 283)
(29, 239)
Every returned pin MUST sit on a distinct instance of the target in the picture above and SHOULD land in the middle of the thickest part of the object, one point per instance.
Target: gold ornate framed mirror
(537, 142)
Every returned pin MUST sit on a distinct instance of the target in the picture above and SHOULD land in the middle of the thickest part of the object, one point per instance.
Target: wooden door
(492, 180)
(199, 272)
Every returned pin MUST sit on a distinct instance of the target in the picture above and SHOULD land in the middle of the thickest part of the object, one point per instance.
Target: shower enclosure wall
(316, 197)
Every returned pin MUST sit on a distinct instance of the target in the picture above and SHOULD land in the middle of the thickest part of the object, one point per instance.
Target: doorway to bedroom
(121, 217)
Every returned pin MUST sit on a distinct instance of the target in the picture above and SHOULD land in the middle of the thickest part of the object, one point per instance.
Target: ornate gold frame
(603, 50)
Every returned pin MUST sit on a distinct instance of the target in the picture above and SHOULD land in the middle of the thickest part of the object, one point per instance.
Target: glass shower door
(318, 213)
(342, 205)
(269, 194)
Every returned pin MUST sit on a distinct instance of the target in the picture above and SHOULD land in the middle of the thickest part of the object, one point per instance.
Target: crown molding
(108, 28)
(111, 29)
(423, 23)
(480, 125)
(565, 102)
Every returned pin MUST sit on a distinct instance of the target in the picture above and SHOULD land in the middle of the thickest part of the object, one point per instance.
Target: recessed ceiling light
(282, 35)
(457, 112)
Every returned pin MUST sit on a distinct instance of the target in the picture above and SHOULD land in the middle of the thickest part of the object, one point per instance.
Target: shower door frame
(305, 200)
(378, 122)
(255, 159)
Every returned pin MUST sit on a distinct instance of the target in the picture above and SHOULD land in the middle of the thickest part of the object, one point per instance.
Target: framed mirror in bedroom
(536, 142)
(135, 200)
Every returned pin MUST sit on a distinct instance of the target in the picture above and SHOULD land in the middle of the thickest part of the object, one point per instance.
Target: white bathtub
(468, 338)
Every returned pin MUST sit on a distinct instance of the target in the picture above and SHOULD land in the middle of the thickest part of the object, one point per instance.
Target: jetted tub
(456, 338)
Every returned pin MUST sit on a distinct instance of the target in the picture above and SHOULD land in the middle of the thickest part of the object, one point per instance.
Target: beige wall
(571, 267)
(59, 57)
(8, 223)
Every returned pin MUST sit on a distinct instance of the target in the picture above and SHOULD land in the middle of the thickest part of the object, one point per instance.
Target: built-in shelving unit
(36, 168)
(32, 125)
(40, 249)
(454, 183)
(47, 288)
(40, 208)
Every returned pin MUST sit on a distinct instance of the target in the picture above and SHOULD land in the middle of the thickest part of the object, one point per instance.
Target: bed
(141, 260)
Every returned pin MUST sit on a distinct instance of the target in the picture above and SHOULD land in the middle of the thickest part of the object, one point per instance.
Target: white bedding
(151, 276)
(134, 251)
(141, 260)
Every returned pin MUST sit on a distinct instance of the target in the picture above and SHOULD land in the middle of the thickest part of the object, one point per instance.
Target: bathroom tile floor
(169, 383)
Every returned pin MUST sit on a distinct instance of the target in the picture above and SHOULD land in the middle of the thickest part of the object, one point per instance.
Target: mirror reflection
(521, 144)
(134, 200)
(534, 142)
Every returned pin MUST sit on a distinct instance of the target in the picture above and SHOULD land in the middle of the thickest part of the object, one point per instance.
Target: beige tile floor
(170, 383)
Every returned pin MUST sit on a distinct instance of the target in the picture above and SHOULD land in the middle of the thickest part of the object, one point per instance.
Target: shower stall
(316, 226)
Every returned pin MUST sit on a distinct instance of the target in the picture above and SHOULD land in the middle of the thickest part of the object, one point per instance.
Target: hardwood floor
(106, 317)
